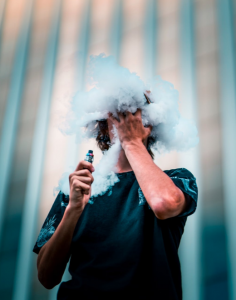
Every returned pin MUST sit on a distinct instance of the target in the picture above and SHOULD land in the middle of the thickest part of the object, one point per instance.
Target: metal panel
(2, 17)
(190, 243)
(116, 29)
(30, 214)
(10, 122)
(72, 148)
(228, 121)
(83, 44)
(150, 39)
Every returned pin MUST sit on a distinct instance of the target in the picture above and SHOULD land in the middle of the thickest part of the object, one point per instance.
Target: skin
(164, 198)
(123, 164)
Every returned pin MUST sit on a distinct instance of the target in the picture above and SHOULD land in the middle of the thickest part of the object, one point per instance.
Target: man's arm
(54, 255)
(163, 196)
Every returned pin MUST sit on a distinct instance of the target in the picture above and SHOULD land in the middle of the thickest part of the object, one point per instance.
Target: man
(125, 244)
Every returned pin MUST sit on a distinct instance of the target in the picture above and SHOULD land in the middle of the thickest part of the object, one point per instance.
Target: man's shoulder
(179, 173)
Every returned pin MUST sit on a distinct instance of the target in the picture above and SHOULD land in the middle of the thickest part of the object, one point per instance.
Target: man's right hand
(80, 185)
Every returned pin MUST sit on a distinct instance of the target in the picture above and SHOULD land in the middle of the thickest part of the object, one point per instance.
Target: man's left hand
(130, 127)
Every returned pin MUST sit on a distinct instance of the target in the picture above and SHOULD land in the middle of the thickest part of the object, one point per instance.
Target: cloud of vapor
(104, 175)
(116, 88)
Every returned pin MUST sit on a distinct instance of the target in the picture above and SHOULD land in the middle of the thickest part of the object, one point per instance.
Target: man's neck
(123, 164)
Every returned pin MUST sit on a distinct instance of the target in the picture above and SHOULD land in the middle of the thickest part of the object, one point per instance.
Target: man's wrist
(72, 212)
(132, 145)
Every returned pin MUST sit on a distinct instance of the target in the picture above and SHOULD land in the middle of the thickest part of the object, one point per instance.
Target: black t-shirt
(119, 247)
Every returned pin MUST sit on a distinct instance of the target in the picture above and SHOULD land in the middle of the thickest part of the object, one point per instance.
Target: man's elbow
(162, 214)
(47, 283)
(167, 208)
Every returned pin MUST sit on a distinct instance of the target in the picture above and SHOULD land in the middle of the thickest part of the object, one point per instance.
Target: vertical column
(116, 31)
(228, 120)
(9, 126)
(2, 14)
(150, 39)
(72, 148)
(190, 243)
(29, 220)
(83, 45)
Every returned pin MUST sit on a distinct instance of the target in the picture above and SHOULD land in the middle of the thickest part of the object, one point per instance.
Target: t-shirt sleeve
(53, 219)
(185, 181)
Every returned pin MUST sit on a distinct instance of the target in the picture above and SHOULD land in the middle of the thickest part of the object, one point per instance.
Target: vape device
(89, 156)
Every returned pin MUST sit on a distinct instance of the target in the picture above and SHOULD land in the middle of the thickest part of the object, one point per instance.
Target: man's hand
(130, 128)
(80, 185)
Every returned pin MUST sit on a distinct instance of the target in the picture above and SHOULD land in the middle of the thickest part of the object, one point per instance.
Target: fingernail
(93, 169)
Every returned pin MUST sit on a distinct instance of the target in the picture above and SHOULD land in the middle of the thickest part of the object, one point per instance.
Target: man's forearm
(53, 256)
(159, 190)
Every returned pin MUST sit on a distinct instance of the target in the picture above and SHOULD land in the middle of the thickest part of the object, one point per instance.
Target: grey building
(44, 49)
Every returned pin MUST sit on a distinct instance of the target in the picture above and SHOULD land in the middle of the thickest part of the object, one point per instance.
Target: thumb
(148, 129)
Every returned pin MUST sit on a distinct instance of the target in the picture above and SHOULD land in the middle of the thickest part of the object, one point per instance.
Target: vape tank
(89, 156)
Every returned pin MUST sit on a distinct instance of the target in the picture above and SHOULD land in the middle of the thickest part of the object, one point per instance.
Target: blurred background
(44, 49)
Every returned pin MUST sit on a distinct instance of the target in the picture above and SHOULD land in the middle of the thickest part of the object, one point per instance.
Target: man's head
(105, 136)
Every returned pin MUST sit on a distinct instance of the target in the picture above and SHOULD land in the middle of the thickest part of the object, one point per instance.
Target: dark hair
(103, 138)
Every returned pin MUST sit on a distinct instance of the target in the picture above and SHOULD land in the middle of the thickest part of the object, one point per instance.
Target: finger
(84, 165)
(129, 115)
(121, 116)
(83, 173)
(87, 180)
(138, 113)
(148, 130)
(113, 119)
(80, 186)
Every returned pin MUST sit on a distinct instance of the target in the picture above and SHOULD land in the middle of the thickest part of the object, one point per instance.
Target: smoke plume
(116, 88)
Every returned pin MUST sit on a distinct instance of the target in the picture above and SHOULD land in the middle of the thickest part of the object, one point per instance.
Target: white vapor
(116, 88)
(104, 175)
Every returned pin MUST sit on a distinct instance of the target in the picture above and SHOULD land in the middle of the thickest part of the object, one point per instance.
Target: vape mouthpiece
(89, 156)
